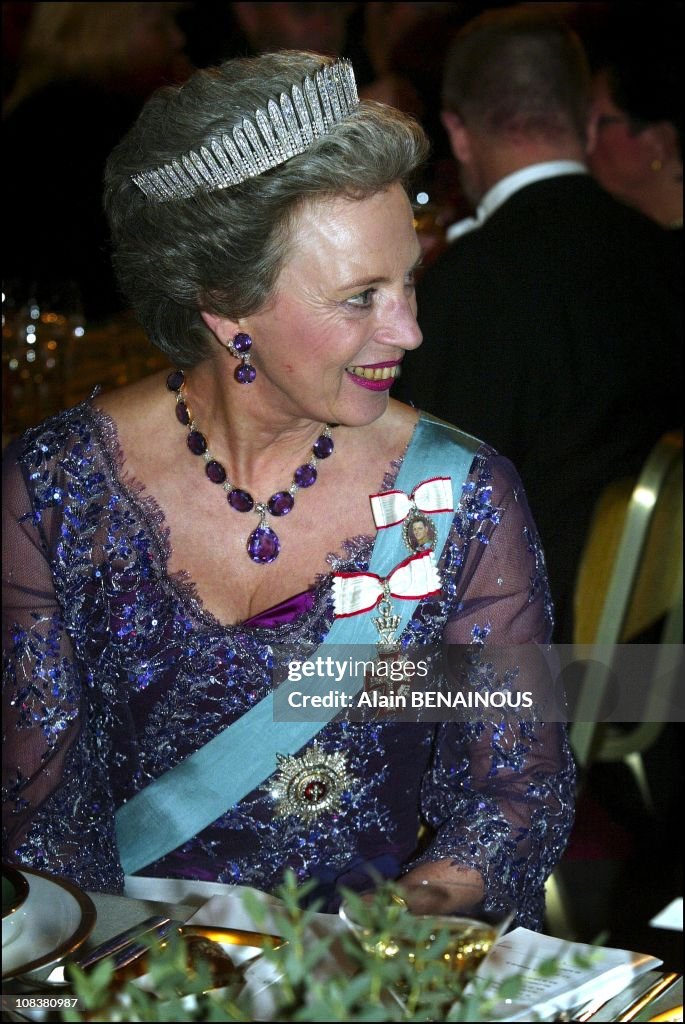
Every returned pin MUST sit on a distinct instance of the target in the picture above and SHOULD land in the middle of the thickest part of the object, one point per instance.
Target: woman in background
(636, 147)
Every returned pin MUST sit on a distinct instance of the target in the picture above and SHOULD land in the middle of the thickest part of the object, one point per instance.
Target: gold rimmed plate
(58, 918)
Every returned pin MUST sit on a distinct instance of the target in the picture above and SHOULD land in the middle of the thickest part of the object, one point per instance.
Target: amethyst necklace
(263, 545)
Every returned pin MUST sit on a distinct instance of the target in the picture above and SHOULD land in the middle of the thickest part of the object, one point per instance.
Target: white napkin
(222, 906)
(227, 910)
(670, 917)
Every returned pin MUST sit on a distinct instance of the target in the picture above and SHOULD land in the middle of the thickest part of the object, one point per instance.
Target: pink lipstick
(375, 376)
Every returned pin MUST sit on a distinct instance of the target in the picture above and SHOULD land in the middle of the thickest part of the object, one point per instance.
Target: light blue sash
(193, 794)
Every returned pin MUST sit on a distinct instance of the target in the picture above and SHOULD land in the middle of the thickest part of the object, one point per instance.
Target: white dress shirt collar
(507, 186)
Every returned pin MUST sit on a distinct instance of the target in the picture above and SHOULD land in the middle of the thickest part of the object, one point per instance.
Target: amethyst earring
(240, 348)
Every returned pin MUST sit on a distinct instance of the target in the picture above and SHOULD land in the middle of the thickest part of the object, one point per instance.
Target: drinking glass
(428, 922)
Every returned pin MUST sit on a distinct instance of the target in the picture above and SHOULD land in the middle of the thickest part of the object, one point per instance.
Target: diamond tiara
(257, 144)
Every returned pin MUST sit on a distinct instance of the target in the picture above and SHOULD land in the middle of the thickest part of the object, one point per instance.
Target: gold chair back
(645, 580)
(629, 579)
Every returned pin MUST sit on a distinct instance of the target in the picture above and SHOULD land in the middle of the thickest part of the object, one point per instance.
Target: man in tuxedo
(552, 324)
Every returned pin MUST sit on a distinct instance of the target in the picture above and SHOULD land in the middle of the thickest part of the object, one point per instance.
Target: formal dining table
(182, 901)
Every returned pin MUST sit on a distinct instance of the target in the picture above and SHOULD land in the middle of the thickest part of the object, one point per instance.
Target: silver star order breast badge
(309, 784)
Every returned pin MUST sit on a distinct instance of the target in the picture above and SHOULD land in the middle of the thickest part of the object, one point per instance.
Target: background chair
(628, 587)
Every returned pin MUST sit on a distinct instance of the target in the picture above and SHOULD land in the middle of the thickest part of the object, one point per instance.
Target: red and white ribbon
(357, 592)
(392, 507)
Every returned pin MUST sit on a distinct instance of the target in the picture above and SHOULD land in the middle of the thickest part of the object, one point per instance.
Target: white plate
(59, 917)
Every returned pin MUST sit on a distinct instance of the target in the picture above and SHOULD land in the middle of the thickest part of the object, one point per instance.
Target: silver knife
(116, 947)
(127, 947)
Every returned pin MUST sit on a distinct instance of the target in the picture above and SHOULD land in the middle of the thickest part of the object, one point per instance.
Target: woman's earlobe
(222, 328)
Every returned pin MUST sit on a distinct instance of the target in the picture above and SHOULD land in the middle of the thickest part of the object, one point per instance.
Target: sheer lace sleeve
(499, 793)
(44, 692)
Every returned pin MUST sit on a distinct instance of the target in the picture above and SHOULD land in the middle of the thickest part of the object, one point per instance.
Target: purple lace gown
(113, 673)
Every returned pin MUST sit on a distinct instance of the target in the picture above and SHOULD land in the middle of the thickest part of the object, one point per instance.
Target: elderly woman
(165, 542)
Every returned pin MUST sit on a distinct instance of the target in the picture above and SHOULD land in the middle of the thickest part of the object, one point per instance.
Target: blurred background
(74, 78)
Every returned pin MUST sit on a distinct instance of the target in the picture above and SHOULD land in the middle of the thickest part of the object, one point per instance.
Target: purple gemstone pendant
(263, 545)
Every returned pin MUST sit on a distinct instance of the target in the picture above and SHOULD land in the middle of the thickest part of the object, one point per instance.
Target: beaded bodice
(114, 672)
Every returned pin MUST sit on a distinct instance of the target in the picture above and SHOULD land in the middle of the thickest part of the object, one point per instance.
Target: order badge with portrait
(418, 532)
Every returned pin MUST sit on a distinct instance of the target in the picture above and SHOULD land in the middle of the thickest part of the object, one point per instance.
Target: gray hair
(222, 252)
(518, 70)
